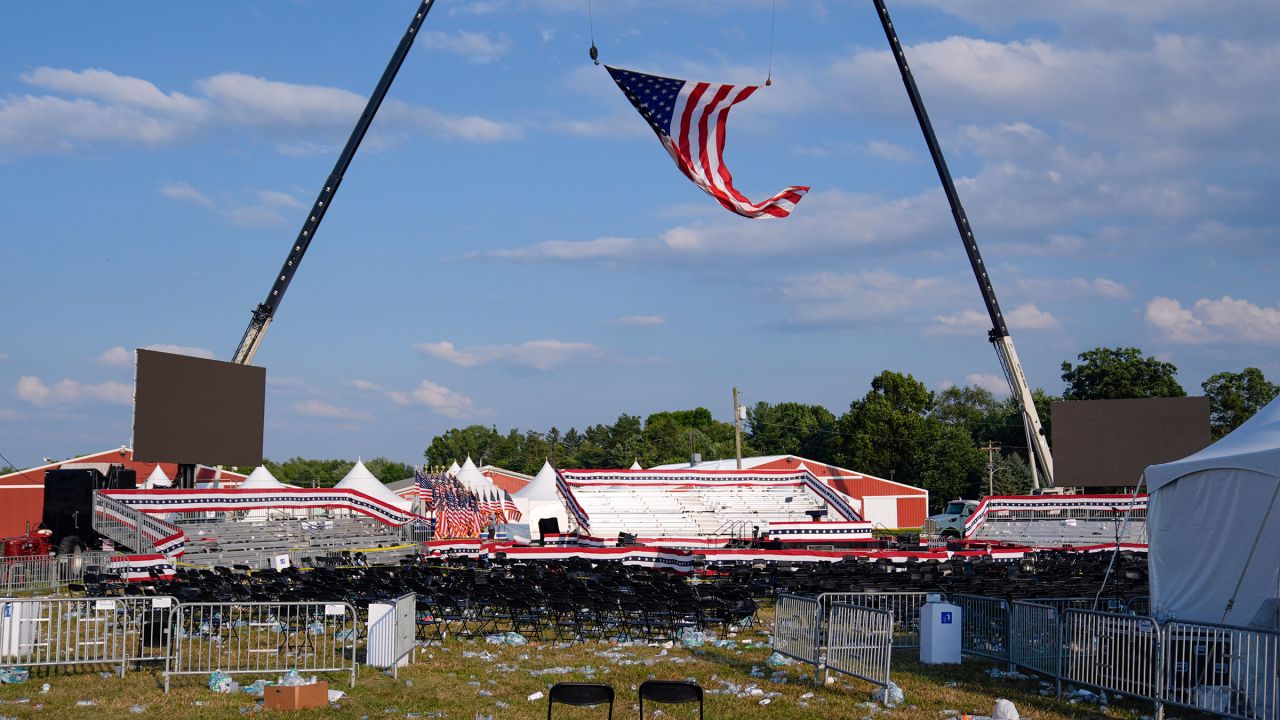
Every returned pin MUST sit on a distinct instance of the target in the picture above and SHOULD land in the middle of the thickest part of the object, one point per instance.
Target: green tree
(791, 428)
(458, 443)
(1235, 397)
(971, 408)
(1118, 373)
(388, 470)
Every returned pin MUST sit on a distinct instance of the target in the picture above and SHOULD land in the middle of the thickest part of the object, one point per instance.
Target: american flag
(689, 119)
(509, 507)
(424, 483)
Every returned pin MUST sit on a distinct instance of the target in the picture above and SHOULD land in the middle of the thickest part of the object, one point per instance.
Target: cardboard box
(296, 697)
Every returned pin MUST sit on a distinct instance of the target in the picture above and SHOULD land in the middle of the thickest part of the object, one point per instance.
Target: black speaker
(626, 539)
(549, 526)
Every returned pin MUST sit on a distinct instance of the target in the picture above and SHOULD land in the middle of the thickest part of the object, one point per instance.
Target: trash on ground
(891, 696)
(1004, 710)
(219, 682)
(336, 695)
(536, 696)
(137, 709)
(777, 659)
(507, 638)
(999, 674)
(14, 675)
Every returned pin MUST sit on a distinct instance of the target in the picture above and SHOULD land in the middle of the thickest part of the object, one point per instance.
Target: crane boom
(266, 310)
(999, 333)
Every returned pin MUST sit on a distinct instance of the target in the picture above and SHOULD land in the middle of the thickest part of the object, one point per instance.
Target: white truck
(949, 524)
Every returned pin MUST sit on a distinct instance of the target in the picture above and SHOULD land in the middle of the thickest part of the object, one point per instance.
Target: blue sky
(512, 247)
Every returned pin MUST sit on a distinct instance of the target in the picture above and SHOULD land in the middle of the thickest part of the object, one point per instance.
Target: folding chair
(583, 694)
(670, 692)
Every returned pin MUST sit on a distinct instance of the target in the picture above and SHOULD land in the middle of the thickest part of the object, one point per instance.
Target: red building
(22, 492)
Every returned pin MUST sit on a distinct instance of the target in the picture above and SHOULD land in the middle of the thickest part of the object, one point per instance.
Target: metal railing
(262, 638)
(905, 607)
(1113, 652)
(859, 642)
(391, 633)
(797, 628)
(105, 632)
(129, 526)
(984, 628)
(47, 573)
(1228, 671)
(1035, 637)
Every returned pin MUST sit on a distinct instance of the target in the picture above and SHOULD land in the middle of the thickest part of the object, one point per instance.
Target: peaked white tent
(636, 465)
(261, 479)
(539, 500)
(471, 477)
(361, 480)
(157, 479)
(1213, 521)
(453, 469)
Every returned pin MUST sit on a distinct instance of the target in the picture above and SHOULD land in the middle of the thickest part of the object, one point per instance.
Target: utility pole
(991, 449)
(737, 426)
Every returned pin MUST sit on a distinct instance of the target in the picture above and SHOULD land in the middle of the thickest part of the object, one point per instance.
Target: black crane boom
(266, 310)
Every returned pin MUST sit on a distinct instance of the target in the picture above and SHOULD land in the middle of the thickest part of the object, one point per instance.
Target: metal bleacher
(227, 540)
(690, 511)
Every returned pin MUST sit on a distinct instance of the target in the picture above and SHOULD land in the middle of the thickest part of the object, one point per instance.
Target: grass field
(464, 679)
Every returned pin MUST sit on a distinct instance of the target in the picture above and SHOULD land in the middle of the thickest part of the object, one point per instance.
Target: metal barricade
(984, 627)
(1063, 604)
(859, 642)
(263, 638)
(797, 627)
(1224, 670)
(111, 632)
(1113, 652)
(905, 607)
(1035, 637)
(47, 573)
(391, 632)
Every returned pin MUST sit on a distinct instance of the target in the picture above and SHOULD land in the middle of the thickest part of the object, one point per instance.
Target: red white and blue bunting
(159, 502)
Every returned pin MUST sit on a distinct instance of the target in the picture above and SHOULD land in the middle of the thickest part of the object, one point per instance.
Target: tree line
(899, 429)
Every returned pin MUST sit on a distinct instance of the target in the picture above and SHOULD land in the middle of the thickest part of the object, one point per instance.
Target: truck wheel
(950, 535)
(72, 547)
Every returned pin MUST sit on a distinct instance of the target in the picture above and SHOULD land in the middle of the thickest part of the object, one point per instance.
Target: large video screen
(192, 410)
(1108, 443)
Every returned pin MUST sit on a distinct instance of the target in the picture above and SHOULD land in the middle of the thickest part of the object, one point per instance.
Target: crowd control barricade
(984, 626)
(104, 632)
(391, 633)
(1224, 670)
(797, 627)
(263, 638)
(859, 642)
(1110, 651)
(1103, 604)
(1035, 637)
(905, 607)
(47, 573)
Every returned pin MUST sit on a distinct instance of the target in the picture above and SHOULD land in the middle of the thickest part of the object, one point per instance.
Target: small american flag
(689, 119)
(424, 483)
(509, 507)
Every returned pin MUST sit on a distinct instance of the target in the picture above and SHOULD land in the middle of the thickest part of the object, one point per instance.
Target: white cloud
(442, 400)
(886, 150)
(995, 384)
(538, 354)
(31, 390)
(1076, 287)
(88, 108)
(479, 48)
(115, 357)
(365, 385)
(639, 321)
(825, 299)
(317, 408)
(1030, 317)
(275, 198)
(185, 193)
(182, 350)
(1225, 320)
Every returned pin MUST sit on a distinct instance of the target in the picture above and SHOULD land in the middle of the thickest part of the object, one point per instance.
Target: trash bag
(689, 637)
(1004, 710)
(291, 679)
(219, 682)
(14, 675)
(777, 659)
(891, 696)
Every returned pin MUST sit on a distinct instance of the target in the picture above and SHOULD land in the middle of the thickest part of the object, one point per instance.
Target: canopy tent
(261, 479)
(636, 465)
(1214, 526)
(157, 479)
(539, 500)
(453, 469)
(472, 479)
(361, 480)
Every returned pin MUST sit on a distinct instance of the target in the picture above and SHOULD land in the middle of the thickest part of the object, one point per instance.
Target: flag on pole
(690, 120)
(509, 508)
(424, 488)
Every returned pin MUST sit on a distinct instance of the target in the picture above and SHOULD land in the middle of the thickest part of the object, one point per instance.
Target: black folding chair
(584, 694)
(670, 692)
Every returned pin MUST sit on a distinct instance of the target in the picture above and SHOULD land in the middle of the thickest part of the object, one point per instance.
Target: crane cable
(591, 25)
(773, 20)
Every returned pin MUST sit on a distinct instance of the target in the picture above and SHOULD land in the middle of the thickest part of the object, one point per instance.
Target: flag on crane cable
(690, 120)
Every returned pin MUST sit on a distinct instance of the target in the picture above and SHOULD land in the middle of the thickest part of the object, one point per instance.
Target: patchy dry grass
(463, 679)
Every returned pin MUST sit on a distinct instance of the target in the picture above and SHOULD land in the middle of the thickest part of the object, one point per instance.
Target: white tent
(1213, 520)
(539, 500)
(361, 480)
(471, 477)
(157, 479)
(636, 465)
(453, 469)
(261, 479)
